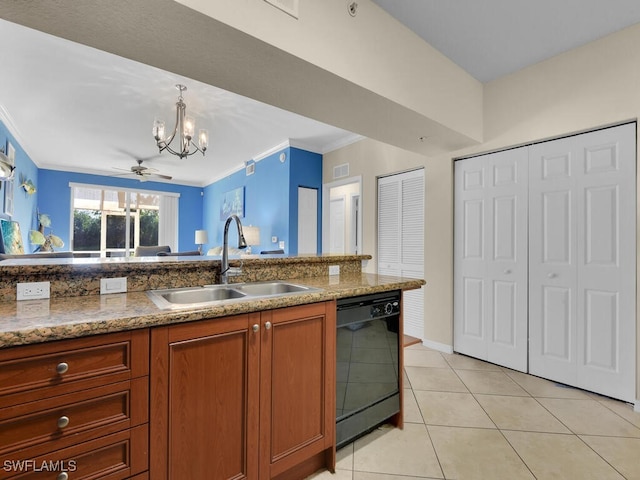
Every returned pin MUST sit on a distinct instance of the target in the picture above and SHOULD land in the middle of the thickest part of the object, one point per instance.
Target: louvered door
(401, 239)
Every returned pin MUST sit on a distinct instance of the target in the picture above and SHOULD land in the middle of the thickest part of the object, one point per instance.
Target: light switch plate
(113, 285)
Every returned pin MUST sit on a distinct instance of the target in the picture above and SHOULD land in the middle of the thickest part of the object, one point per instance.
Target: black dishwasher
(367, 345)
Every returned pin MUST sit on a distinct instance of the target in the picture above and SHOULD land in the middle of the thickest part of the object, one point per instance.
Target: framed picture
(11, 237)
(232, 203)
(8, 186)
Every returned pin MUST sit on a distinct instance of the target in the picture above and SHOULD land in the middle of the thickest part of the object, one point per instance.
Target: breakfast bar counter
(76, 308)
(35, 321)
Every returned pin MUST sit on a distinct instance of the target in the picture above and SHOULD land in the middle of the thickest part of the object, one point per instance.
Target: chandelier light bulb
(203, 139)
(189, 127)
(158, 130)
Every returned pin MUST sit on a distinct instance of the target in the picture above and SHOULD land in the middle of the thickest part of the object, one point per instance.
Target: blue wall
(271, 199)
(305, 171)
(24, 205)
(55, 200)
(266, 203)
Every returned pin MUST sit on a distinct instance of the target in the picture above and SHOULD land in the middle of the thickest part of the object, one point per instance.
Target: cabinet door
(297, 391)
(204, 407)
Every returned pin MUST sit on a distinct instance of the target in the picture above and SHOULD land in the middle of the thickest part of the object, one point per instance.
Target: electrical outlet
(334, 269)
(113, 285)
(281, 244)
(33, 290)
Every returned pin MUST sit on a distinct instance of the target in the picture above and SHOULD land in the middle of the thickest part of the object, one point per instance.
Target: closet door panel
(470, 259)
(490, 259)
(606, 271)
(552, 261)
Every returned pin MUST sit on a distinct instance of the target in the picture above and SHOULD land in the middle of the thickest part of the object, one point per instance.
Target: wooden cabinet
(75, 409)
(249, 396)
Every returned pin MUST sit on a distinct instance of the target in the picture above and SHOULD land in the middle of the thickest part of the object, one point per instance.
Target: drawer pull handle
(63, 422)
(255, 328)
(62, 476)
(62, 368)
(267, 325)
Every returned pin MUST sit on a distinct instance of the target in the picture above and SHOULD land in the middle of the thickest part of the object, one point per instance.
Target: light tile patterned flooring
(467, 419)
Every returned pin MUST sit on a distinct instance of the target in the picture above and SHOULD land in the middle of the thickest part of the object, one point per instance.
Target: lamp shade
(251, 235)
(201, 237)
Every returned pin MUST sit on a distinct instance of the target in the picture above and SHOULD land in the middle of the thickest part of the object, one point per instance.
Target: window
(114, 221)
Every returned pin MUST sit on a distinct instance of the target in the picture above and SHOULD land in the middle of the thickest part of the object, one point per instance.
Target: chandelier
(182, 132)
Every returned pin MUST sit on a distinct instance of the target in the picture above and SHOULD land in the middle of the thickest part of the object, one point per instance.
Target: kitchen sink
(190, 297)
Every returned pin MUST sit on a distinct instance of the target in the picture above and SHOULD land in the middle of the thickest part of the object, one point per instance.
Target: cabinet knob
(507, 271)
(551, 275)
(255, 328)
(63, 422)
(62, 367)
(62, 476)
(267, 325)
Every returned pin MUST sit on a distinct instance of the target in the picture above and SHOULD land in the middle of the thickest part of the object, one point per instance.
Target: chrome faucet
(225, 270)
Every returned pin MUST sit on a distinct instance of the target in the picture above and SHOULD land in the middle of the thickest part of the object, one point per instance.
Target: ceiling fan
(143, 172)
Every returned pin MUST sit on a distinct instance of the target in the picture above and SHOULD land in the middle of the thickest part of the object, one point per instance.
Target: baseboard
(441, 347)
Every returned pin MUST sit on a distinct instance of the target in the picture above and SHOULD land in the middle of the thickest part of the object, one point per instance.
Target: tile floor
(467, 419)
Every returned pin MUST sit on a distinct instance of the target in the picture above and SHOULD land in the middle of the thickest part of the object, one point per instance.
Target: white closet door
(490, 258)
(336, 228)
(401, 239)
(307, 220)
(582, 261)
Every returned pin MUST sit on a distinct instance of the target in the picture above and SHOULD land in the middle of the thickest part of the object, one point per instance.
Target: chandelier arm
(175, 130)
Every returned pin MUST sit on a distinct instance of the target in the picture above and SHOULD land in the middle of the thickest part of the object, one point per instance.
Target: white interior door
(401, 239)
(307, 220)
(490, 258)
(336, 225)
(582, 261)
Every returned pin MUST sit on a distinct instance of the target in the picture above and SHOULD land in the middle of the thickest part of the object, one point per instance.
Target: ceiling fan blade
(159, 175)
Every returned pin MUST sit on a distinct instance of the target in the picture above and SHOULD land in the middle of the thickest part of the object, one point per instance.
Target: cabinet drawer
(114, 457)
(50, 424)
(31, 372)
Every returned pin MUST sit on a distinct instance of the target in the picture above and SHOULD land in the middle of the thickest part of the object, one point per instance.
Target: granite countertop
(38, 321)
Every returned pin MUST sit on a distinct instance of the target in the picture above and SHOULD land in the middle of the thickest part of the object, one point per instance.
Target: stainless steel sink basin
(201, 295)
(174, 298)
(269, 288)
(191, 297)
